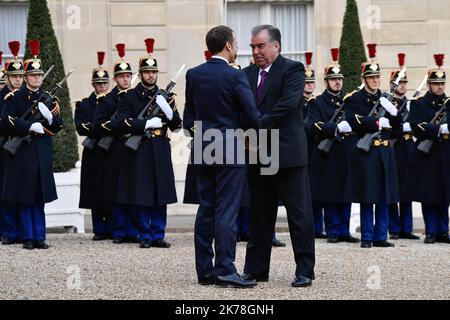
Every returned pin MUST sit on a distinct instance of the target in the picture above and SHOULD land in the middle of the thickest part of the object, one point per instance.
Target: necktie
(259, 90)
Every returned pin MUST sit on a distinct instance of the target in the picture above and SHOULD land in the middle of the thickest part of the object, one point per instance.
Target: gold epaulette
(311, 98)
(79, 101)
(11, 94)
(124, 91)
(446, 100)
(350, 94)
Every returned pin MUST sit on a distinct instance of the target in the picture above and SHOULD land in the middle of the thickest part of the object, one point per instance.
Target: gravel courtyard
(77, 268)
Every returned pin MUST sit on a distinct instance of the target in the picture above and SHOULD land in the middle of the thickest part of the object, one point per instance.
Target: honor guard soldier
(401, 214)
(91, 158)
(427, 179)
(2, 73)
(307, 97)
(13, 75)
(29, 181)
(146, 178)
(108, 125)
(329, 168)
(373, 177)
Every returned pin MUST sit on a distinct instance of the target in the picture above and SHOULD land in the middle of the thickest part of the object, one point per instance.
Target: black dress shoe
(161, 243)
(349, 239)
(257, 278)
(8, 241)
(394, 236)
(41, 245)
(235, 281)
(320, 236)
(333, 240)
(207, 280)
(118, 240)
(277, 243)
(301, 281)
(443, 238)
(145, 244)
(132, 239)
(98, 237)
(383, 244)
(408, 235)
(366, 244)
(430, 239)
(29, 245)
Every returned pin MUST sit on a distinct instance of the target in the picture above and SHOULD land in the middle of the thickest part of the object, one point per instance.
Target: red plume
(14, 46)
(149, 43)
(1, 57)
(121, 49)
(335, 54)
(208, 55)
(439, 58)
(35, 46)
(308, 57)
(401, 59)
(100, 57)
(372, 50)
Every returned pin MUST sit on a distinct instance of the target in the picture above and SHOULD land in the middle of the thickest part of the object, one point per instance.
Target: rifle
(440, 117)
(366, 142)
(47, 98)
(339, 116)
(4, 138)
(106, 141)
(134, 142)
(404, 107)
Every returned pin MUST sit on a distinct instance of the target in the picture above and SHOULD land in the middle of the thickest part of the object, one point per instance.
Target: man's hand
(444, 129)
(165, 107)
(407, 127)
(45, 112)
(153, 123)
(388, 106)
(384, 123)
(344, 127)
(37, 128)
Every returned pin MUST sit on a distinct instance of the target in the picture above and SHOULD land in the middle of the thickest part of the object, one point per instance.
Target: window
(13, 25)
(293, 18)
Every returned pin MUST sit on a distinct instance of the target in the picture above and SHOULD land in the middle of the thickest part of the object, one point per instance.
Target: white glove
(37, 127)
(444, 129)
(384, 123)
(388, 106)
(45, 112)
(153, 123)
(407, 127)
(165, 107)
(408, 105)
(344, 127)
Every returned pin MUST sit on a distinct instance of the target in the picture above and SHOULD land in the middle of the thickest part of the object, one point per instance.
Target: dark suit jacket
(220, 97)
(280, 109)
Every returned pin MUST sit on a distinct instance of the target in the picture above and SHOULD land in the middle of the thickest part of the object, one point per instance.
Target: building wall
(417, 27)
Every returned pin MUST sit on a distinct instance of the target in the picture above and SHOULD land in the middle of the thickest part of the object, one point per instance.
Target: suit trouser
(10, 221)
(219, 190)
(337, 216)
(377, 231)
(401, 221)
(436, 218)
(32, 222)
(292, 186)
(318, 217)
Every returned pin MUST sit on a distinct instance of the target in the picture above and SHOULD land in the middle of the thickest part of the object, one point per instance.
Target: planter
(64, 211)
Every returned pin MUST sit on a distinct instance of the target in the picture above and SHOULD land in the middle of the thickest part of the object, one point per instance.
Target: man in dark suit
(278, 84)
(218, 98)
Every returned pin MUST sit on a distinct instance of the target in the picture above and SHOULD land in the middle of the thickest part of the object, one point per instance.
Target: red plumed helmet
(372, 50)
(308, 57)
(335, 54)
(35, 46)
(439, 58)
(1, 57)
(121, 49)
(208, 55)
(100, 57)
(150, 42)
(401, 59)
(14, 46)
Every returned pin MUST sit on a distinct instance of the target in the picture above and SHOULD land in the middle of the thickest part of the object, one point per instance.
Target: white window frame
(265, 13)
